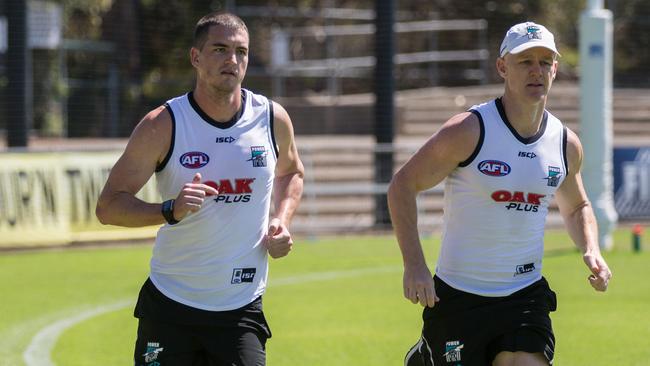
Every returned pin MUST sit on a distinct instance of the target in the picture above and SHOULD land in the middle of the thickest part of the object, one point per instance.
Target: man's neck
(220, 107)
(525, 117)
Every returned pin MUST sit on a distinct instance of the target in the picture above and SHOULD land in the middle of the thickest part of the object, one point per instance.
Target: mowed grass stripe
(109, 329)
(339, 321)
(38, 351)
(40, 287)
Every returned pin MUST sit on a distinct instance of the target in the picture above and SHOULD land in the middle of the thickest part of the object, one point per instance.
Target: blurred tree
(127, 39)
(562, 17)
(86, 69)
(632, 43)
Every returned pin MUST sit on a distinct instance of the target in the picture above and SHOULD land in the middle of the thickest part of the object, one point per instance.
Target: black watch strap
(168, 212)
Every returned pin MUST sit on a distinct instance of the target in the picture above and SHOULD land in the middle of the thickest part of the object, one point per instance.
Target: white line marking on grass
(38, 351)
(18, 335)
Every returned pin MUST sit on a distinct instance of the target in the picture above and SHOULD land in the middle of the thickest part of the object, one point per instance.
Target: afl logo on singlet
(494, 168)
(194, 159)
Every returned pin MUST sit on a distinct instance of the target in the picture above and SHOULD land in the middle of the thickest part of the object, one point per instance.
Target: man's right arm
(147, 146)
(430, 165)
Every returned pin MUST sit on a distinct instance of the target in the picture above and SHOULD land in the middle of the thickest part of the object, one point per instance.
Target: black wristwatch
(168, 212)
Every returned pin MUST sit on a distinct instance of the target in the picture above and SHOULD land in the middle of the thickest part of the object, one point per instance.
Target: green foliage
(83, 18)
(152, 40)
(632, 42)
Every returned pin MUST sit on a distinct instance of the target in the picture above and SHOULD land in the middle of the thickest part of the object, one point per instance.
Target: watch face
(168, 212)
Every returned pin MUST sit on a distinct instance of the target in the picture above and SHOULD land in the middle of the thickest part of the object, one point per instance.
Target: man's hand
(418, 286)
(278, 239)
(191, 197)
(601, 274)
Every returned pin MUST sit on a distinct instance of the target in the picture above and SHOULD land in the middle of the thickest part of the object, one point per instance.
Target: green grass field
(331, 302)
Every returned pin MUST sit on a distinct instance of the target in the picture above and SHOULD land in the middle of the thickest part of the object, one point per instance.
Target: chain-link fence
(116, 59)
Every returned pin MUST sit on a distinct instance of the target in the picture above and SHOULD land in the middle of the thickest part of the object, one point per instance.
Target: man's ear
(194, 56)
(501, 66)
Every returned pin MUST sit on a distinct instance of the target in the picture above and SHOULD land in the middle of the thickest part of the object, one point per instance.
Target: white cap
(523, 36)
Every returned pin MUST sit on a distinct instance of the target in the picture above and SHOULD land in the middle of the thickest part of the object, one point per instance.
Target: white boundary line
(38, 352)
(40, 347)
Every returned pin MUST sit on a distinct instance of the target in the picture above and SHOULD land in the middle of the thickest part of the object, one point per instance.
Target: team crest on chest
(554, 175)
(258, 156)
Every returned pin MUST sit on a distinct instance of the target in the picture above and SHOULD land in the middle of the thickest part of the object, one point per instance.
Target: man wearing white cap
(504, 161)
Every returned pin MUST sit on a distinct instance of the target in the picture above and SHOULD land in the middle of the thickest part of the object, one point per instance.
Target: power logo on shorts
(150, 357)
(453, 350)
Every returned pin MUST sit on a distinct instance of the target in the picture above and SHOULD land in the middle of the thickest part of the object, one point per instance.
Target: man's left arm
(579, 216)
(287, 186)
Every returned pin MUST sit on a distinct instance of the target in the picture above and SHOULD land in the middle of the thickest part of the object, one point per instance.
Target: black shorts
(470, 330)
(173, 334)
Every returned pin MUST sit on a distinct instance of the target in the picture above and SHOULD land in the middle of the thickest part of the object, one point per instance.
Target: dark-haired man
(218, 152)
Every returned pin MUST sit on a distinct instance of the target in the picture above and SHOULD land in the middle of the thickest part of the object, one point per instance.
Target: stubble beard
(224, 87)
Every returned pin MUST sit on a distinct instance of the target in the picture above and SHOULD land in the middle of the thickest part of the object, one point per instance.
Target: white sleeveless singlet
(496, 204)
(214, 259)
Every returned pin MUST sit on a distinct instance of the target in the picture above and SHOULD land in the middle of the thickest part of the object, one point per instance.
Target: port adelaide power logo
(554, 175)
(258, 156)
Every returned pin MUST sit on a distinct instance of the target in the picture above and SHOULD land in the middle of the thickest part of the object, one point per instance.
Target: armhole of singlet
(272, 130)
(480, 140)
(564, 143)
(163, 163)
